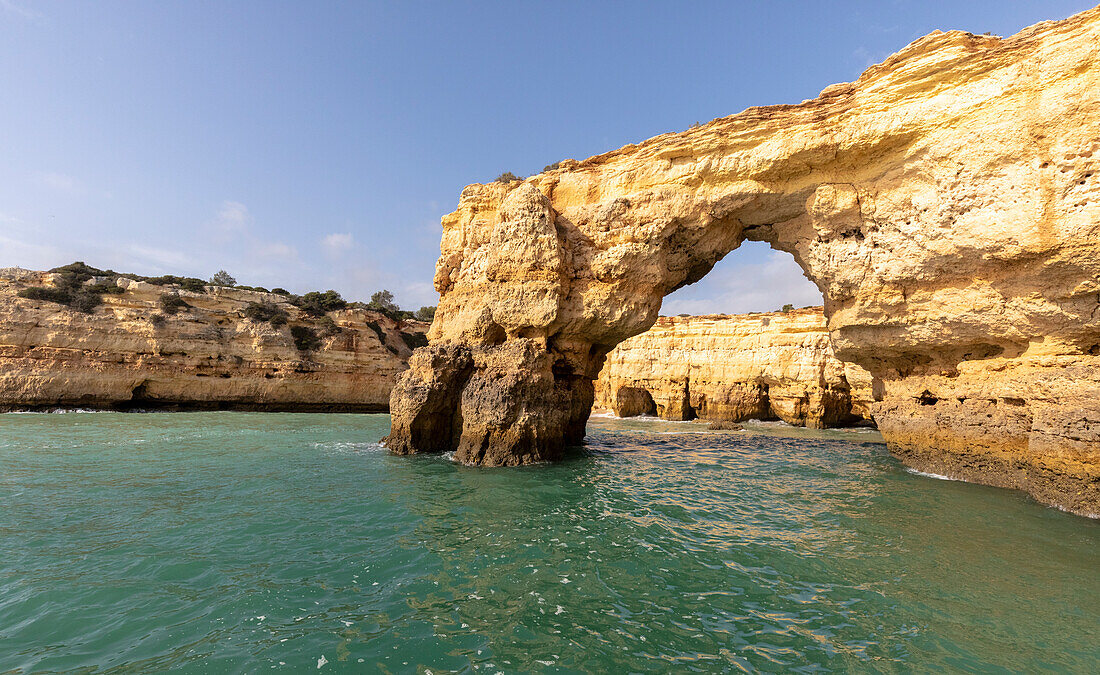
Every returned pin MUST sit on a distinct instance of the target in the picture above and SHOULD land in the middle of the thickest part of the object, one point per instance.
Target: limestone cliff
(734, 368)
(207, 356)
(945, 203)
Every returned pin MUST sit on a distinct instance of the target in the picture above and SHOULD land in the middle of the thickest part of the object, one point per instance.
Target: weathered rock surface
(773, 365)
(945, 203)
(208, 356)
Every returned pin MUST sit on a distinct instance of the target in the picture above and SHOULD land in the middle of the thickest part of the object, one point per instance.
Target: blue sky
(315, 145)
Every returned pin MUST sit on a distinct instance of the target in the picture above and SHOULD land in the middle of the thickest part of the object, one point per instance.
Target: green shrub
(327, 326)
(507, 177)
(86, 302)
(74, 275)
(71, 280)
(425, 314)
(383, 301)
(172, 303)
(266, 311)
(315, 303)
(280, 291)
(109, 289)
(305, 339)
(186, 283)
(70, 289)
(158, 320)
(223, 278)
(551, 167)
(788, 308)
(82, 269)
(193, 285)
(61, 296)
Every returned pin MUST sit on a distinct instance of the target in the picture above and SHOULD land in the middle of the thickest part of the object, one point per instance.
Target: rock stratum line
(720, 368)
(209, 356)
(945, 203)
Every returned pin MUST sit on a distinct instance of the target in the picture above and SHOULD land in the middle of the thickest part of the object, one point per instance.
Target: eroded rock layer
(772, 365)
(945, 203)
(207, 356)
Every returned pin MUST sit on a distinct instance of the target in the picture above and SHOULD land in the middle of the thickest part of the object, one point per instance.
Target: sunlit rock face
(945, 204)
(767, 365)
(208, 356)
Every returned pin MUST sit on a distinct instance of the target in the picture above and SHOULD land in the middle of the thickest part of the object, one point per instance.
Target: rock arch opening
(946, 204)
(754, 277)
(770, 360)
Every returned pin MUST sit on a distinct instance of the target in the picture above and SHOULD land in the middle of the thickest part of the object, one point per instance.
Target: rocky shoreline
(127, 354)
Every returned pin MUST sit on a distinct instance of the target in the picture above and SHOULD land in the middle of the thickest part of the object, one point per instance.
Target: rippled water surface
(238, 542)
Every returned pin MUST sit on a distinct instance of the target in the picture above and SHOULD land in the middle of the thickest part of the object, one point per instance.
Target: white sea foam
(56, 411)
(779, 424)
(678, 433)
(1094, 516)
(347, 447)
(640, 418)
(932, 475)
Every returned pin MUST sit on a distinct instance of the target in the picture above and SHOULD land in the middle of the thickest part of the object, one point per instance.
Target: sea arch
(945, 204)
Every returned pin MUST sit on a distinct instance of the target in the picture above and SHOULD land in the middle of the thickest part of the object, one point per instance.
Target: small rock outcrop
(127, 354)
(947, 204)
(771, 365)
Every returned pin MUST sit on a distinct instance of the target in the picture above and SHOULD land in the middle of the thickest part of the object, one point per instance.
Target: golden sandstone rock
(945, 203)
(733, 368)
(208, 356)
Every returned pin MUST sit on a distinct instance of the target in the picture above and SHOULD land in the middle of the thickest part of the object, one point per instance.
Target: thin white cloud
(276, 250)
(244, 249)
(158, 258)
(733, 288)
(60, 182)
(19, 10)
(418, 294)
(231, 238)
(66, 184)
(337, 243)
(232, 217)
(866, 58)
(21, 252)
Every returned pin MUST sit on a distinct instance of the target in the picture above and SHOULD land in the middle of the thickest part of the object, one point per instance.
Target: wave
(937, 476)
(56, 411)
(348, 447)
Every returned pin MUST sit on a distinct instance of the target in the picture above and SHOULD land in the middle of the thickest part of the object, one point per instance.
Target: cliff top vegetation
(81, 287)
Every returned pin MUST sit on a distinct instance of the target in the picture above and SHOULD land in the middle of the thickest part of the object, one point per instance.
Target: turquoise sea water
(240, 542)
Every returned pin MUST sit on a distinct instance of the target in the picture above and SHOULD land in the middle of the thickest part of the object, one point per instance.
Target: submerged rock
(724, 426)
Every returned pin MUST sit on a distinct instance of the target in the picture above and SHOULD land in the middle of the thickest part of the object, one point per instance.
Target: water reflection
(234, 542)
